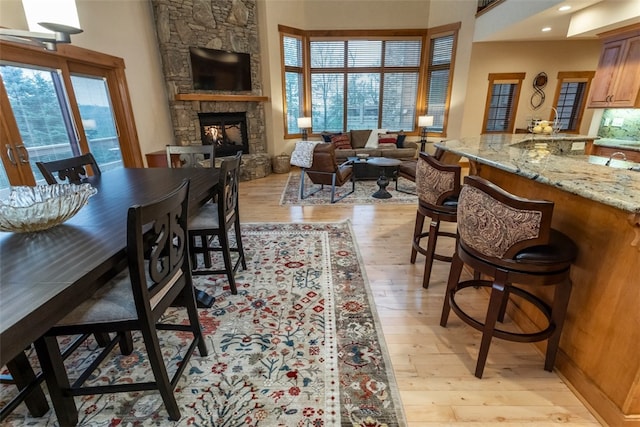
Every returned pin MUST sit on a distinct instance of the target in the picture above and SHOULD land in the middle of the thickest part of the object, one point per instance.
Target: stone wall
(216, 24)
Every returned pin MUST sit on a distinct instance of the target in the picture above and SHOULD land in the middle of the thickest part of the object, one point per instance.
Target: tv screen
(214, 69)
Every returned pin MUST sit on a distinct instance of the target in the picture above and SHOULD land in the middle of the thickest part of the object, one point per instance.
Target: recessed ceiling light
(545, 29)
(564, 8)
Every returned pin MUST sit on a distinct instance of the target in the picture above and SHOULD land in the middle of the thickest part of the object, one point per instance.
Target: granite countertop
(534, 157)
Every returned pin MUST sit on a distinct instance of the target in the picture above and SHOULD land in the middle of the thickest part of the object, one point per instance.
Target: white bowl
(362, 155)
(42, 207)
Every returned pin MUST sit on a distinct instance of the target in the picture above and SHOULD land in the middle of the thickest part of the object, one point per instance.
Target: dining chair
(158, 277)
(325, 170)
(190, 156)
(209, 229)
(72, 170)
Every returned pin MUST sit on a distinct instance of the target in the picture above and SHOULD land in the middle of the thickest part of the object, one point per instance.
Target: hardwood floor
(433, 365)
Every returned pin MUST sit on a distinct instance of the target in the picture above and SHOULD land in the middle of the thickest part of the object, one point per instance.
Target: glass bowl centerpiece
(42, 207)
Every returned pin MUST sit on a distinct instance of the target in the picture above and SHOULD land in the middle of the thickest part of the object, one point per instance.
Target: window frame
(503, 78)
(573, 77)
(70, 59)
(426, 36)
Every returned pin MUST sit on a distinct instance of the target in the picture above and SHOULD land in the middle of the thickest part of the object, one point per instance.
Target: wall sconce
(424, 122)
(304, 123)
(61, 34)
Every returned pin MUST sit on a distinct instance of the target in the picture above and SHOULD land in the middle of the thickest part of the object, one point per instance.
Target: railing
(484, 5)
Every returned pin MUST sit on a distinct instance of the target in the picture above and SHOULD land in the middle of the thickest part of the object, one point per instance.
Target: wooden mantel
(214, 97)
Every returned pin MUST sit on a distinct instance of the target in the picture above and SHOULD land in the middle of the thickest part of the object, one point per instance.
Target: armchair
(325, 170)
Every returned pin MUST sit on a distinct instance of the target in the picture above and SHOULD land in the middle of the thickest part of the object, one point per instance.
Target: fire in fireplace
(226, 131)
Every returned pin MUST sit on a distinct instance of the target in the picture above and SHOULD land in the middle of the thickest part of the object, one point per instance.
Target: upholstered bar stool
(509, 239)
(438, 186)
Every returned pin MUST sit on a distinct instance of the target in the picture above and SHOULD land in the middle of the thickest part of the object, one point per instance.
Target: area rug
(361, 196)
(299, 345)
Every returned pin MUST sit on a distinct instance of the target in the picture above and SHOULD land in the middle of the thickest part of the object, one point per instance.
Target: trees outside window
(367, 79)
(61, 104)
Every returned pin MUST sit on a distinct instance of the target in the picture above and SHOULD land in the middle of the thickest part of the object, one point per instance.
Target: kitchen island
(599, 208)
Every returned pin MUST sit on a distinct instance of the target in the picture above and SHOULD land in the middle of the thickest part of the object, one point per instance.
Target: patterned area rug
(298, 346)
(362, 195)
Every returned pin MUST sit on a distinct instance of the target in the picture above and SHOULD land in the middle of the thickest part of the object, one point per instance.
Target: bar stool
(438, 186)
(511, 240)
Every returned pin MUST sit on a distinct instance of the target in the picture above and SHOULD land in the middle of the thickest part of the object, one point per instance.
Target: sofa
(376, 143)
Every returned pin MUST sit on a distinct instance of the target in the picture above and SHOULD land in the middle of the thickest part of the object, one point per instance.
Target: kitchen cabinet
(604, 151)
(617, 80)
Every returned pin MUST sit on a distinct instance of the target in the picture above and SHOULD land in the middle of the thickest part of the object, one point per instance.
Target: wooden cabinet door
(603, 82)
(626, 92)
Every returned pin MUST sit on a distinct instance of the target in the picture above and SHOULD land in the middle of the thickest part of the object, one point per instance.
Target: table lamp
(424, 122)
(304, 123)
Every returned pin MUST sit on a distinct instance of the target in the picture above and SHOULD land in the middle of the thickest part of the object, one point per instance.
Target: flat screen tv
(214, 69)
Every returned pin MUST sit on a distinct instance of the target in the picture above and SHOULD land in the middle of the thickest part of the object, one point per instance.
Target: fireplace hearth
(226, 131)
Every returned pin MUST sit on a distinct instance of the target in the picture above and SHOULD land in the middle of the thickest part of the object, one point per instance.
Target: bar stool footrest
(542, 306)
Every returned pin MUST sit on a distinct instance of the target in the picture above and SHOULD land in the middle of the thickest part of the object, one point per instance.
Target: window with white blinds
(367, 81)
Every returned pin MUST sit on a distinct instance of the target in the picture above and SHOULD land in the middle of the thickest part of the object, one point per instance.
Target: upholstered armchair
(325, 170)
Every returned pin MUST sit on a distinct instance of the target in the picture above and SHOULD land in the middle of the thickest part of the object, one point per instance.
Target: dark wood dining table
(44, 275)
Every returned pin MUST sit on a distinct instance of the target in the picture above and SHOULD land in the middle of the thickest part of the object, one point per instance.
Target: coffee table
(362, 170)
(384, 164)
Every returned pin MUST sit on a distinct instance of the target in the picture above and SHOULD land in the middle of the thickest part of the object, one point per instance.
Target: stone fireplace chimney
(229, 25)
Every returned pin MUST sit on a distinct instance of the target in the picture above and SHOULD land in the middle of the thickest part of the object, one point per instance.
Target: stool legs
(417, 230)
(432, 239)
(501, 291)
(454, 277)
(558, 314)
(495, 312)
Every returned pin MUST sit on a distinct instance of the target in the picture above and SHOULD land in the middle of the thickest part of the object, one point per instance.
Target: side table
(383, 163)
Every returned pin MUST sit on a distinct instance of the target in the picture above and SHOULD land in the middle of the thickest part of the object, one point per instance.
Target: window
(293, 81)
(570, 99)
(352, 80)
(61, 104)
(502, 101)
(438, 79)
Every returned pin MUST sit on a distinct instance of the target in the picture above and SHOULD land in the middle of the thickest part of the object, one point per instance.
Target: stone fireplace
(229, 25)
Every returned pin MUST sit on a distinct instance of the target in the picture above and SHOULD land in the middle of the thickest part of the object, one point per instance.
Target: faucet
(617, 153)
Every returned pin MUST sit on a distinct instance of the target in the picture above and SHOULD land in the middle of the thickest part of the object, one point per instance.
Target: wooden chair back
(228, 190)
(71, 170)
(190, 156)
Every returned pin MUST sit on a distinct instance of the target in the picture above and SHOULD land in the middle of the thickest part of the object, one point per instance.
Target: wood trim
(212, 97)
(624, 32)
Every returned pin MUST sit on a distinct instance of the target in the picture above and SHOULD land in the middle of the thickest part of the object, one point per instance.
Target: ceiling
(523, 20)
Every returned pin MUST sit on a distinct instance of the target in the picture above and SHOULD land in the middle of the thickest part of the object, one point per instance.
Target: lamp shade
(425, 121)
(304, 122)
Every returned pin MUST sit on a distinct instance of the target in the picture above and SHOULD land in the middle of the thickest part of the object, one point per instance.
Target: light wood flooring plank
(433, 365)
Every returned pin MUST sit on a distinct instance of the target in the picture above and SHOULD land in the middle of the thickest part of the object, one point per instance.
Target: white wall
(530, 58)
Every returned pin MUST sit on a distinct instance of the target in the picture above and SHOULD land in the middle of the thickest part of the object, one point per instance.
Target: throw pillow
(372, 142)
(326, 136)
(341, 142)
(386, 140)
(359, 137)
(400, 140)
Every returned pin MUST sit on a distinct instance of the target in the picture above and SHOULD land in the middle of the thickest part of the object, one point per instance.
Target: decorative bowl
(42, 207)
